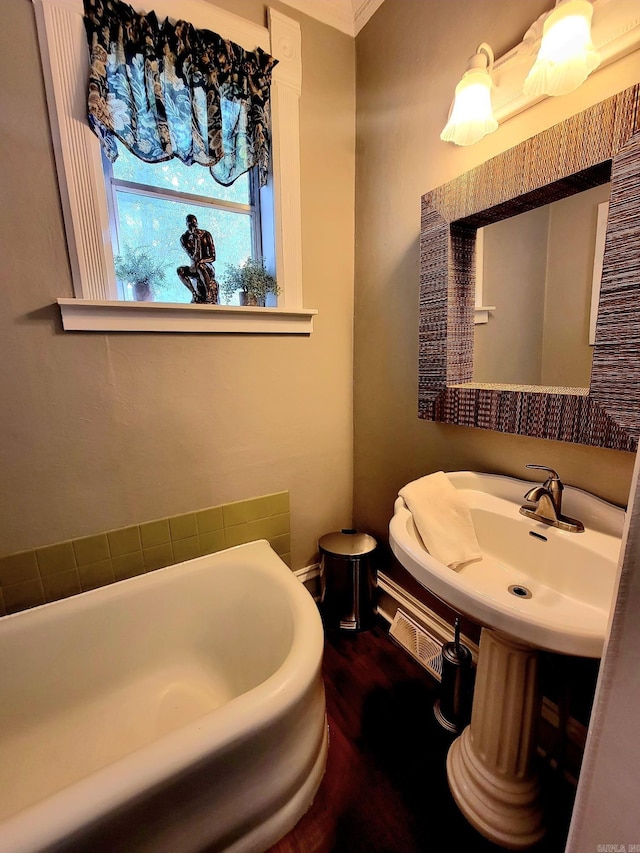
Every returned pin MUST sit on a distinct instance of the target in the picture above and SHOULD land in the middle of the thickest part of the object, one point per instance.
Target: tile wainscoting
(41, 575)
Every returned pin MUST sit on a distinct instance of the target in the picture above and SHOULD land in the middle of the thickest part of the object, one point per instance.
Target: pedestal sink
(536, 587)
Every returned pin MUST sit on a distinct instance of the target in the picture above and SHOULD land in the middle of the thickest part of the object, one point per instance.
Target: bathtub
(182, 710)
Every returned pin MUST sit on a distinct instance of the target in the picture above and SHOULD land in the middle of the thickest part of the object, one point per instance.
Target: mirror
(537, 270)
(581, 153)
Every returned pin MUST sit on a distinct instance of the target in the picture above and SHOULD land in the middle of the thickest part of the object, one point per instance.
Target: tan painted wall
(509, 347)
(567, 355)
(409, 59)
(104, 430)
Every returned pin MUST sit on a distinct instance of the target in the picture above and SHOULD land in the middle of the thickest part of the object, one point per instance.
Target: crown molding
(362, 11)
(348, 16)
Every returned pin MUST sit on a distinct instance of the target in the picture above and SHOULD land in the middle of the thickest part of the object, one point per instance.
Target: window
(87, 204)
(149, 203)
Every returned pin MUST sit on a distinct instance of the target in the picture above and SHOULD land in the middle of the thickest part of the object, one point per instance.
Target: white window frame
(83, 190)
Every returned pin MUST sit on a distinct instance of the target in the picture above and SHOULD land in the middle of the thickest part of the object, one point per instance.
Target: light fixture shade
(566, 56)
(471, 115)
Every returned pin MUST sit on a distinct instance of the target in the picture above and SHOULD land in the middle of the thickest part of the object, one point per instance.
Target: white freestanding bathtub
(182, 710)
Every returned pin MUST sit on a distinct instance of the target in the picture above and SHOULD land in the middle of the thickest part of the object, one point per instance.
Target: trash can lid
(347, 543)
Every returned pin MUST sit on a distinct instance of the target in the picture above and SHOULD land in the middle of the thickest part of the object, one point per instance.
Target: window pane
(158, 224)
(174, 175)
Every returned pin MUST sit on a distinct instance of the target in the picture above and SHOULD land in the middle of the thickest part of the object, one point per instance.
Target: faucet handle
(553, 475)
(553, 482)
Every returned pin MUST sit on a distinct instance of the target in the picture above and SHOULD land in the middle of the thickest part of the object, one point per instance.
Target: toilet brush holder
(452, 709)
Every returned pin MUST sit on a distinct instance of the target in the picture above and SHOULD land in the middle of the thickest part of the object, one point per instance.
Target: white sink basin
(571, 577)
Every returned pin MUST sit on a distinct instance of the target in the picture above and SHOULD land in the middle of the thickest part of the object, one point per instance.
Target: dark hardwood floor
(385, 788)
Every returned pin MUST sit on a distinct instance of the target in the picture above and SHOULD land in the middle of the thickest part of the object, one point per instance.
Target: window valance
(171, 90)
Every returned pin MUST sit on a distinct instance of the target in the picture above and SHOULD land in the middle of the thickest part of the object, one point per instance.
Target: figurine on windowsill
(200, 277)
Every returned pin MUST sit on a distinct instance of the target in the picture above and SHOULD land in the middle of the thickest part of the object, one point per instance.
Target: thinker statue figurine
(200, 277)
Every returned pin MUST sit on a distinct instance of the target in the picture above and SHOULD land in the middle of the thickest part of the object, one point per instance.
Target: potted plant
(252, 279)
(138, 266)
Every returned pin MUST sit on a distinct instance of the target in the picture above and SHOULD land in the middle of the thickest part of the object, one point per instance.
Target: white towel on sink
(443, 519)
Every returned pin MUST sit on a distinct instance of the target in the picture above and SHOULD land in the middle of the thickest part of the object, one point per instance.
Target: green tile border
(32, 577)
(21, 596)
(55, 559)
(210, 520)
(186, 549)
(18, 568)
(95, 575)
(212, 542)
(126, 540)
(61, 585)
(128, 565)
(91, 549)
(155, 533)
(183, 527)
(158, 557)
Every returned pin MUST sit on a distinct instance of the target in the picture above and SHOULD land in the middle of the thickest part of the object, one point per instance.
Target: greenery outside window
(150, 203)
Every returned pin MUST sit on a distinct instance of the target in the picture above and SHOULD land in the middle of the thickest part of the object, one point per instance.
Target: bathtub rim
(92, 798)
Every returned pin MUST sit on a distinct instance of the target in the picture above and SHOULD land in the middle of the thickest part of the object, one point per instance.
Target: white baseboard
(308, 577)
(308, 573)
(430, 621)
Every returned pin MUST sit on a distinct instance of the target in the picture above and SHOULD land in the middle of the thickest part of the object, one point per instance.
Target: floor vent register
(418, 642)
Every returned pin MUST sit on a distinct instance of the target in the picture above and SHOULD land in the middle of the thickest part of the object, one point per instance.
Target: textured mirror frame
(569, 157)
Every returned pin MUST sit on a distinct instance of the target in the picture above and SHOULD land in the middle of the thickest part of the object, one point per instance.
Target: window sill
(89, 315)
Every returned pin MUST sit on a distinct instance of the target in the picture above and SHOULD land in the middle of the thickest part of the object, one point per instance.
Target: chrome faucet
(548, 498)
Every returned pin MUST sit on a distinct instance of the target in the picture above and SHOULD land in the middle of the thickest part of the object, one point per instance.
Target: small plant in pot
(138, 267)
(253, 281)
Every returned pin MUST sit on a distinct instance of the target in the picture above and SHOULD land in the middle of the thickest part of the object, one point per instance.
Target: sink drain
(520, 591)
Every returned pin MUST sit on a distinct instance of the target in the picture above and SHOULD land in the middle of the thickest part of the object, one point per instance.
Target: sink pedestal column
(490, 766)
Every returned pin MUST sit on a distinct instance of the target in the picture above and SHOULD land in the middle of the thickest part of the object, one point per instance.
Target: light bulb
(566, 56)
(471, 115)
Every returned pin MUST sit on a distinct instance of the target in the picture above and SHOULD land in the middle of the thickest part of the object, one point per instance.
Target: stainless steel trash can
(348, 579)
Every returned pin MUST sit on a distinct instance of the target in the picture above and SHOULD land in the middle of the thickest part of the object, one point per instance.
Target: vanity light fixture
(471, 115)
(566, 56)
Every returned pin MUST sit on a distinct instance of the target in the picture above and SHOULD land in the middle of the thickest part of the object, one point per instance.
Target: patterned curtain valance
(170, 90)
